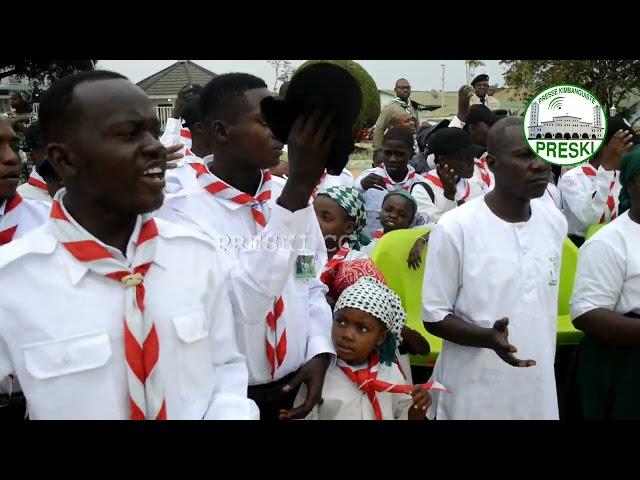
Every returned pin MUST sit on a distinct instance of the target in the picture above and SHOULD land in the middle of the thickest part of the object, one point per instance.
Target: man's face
(114, 157)
(249, 136)
(517, 169)
(403, 120)
(9, 162)
(481, 89)
(479, 133)
(403, 90)
(396, 157)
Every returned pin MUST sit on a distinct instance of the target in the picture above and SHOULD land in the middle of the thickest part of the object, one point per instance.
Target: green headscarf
(350, 199)
(630, 166)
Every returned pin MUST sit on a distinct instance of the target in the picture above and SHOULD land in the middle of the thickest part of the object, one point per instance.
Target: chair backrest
(390, 256)
(568, 267)
(593, 229)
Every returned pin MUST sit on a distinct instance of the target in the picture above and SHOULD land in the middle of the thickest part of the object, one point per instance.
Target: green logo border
(524, 126)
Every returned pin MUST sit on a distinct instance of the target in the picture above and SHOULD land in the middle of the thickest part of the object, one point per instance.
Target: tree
(36, 69)
(471, 66)
(284, 70)
(370, 97)
(611, 81)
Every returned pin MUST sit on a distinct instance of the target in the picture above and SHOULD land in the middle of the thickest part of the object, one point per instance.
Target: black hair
(191, 112)
(400, 134)
(223, 90)
(283, 88)
(56, 112)
(33, 137)
(400, 80)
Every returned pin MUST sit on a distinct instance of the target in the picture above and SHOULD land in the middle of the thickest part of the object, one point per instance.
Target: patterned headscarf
(350, 199)
(348, 272)
(629, 167)
(373, 297)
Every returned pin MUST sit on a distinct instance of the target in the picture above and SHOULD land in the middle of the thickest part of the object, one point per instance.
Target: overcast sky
(422, 74)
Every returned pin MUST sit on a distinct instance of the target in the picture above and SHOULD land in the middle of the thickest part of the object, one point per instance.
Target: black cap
(190, 89)
(452, 142)
(483, 77)
(618, 123)
(325, 86)
(191, 112)
(481, 113)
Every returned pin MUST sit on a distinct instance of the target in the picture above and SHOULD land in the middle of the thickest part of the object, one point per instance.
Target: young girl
(365, 383)
(398, 212)
(341, 216)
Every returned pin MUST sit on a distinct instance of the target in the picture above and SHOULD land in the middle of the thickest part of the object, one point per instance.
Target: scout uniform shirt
(589, 197)
(68, 347)
(273, 284)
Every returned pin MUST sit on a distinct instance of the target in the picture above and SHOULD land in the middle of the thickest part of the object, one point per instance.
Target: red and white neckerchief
(199, 167)
(438, 183)
(590, 171)
(276, 341)
(366, 380)
(10, 219)
(185, 138)
(406, 183)
(141, 345)
(316, 190)
(378, 233)
(221, 189)
(338, 257)
(481, 163)
(37, 181)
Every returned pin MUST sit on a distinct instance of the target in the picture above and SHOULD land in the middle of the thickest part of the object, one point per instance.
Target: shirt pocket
(194, 360)
(73, 355)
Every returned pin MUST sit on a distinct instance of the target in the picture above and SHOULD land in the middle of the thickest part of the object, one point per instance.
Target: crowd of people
(194, 274)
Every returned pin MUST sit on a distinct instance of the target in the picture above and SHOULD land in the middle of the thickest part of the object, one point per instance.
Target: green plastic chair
(567, 334)
(592, 230)
(390, 256)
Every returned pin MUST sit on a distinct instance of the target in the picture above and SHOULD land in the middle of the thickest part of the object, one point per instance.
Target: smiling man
(492, 285)
(110, 336)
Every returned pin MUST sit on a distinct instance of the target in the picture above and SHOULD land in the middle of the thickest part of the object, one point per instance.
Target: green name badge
(305, 265)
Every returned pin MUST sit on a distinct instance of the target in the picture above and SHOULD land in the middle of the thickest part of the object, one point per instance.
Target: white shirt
(171, 135)
(26, 190)
(33, 213)
(266, 275)
(183, 177)
(482, 268)
(584, 197)
(553, 196)
(373, 197)
(67, 348)
(342, 400)
(608, 274)
(429, 212)
(345, 178)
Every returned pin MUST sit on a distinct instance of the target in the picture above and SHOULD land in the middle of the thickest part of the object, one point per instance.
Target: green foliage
(370, 110)
(611, 81)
